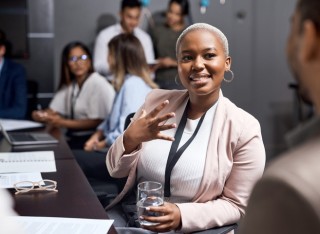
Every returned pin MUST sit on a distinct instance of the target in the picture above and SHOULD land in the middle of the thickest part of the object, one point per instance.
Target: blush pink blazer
(235, 161)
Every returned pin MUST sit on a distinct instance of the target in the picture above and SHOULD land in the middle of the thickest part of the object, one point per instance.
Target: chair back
(104, 21)
(128, 120)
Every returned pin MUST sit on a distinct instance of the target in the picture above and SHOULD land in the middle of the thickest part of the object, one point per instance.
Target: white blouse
(187, 174)
(93, 101)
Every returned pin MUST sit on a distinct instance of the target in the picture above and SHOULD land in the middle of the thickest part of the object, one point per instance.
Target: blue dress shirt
(128, 100)
(13, 91)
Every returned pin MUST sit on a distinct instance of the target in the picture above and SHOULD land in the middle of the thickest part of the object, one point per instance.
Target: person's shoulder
(137, 83)
(164, 94)
(98, 85)
(13, 67)
(297, 172)
(159, 28)
(140, 33)
(133, 80)
(96, 79)
(96, 76)
(12, 64)
(108, 30)
(297, 161)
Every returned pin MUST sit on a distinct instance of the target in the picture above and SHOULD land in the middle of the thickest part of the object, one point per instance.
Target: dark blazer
(13, 91)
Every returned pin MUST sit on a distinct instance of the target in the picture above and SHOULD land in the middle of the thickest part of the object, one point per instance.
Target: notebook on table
(28, 138)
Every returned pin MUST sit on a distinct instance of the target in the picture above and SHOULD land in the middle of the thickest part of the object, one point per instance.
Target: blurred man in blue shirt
(13, 88)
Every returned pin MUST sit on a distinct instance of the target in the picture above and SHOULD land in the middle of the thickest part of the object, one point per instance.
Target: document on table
(47, 225)
(13, 124)
(33, 161)
(7, 180)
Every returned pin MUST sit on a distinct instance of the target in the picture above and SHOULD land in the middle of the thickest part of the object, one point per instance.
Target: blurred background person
(6, 211)
(132, 82)
(83, 98)
(129, 20)
(8, 44)
(164, 37)
(13, 87)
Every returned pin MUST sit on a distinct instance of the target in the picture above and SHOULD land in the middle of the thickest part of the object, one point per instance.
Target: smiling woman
(204, 150)
(202, 64)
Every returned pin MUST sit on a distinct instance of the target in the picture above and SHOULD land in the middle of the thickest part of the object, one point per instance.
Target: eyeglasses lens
(49, 185)
(26, 185)
(76, 58)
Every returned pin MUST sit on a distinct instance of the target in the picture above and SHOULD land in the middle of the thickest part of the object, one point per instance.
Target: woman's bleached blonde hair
(205, 27)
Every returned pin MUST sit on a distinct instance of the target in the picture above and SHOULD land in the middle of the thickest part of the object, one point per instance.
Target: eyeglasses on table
(42, 185)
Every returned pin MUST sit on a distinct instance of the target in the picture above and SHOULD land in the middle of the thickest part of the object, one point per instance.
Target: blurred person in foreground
(286, 199)
(7, 225)
(204, 150)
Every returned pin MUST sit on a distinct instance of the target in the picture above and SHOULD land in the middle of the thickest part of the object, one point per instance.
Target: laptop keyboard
(21, 137)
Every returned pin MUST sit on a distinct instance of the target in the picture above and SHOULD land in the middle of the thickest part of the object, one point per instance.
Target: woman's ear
(228, 63)
(309, 42)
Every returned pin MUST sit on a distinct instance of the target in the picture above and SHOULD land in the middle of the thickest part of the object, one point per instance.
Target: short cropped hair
(208, 28)
(130, 4)
(309, 10)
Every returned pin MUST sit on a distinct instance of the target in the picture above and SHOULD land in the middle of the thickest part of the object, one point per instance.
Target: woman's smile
(199, 79)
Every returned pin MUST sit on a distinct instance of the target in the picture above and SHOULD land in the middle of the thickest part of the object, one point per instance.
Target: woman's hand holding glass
(153, 213)
(170, 219)
(148, 127)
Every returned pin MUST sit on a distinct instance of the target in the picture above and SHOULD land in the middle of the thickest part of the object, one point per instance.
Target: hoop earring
(230, 79)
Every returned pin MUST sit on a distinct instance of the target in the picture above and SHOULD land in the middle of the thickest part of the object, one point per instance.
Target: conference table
(75, 197)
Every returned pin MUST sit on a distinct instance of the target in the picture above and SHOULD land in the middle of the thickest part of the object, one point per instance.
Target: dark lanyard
(74, 98)
(174, 153)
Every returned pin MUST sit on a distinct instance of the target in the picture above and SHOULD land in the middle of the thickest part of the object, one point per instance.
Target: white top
(93, 101)
(101, 46)
(185, 177)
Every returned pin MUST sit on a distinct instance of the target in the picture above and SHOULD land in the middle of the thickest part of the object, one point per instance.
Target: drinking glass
(150, 193)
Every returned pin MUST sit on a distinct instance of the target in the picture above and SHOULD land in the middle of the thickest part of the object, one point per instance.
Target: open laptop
(28, 138)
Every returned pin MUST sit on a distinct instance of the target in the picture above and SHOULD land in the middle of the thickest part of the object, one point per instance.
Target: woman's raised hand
(147, 127)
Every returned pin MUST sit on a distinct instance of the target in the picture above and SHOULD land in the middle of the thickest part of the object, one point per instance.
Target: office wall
(257, 32)
(39, 63)
(77, 20)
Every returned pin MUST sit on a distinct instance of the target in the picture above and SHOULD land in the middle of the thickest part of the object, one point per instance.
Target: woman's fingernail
(147, 208)
(141, 218)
